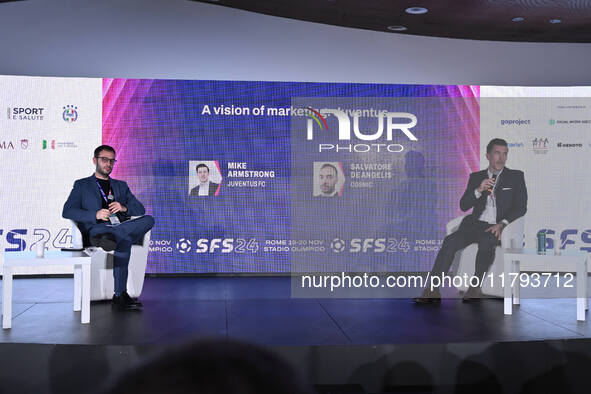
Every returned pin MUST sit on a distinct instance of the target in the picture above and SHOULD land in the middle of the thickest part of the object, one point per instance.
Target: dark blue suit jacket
(85, 200)
(510, 191)
(213, 187)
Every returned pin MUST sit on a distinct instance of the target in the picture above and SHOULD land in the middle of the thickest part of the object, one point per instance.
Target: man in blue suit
(102, 207)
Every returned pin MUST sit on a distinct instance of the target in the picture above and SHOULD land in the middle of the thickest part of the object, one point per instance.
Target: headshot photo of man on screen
(497, 196)
(102, 208)
(205, 186)
(326, 180)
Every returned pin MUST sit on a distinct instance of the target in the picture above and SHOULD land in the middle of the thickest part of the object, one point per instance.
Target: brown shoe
(428, 297)
(473, 293)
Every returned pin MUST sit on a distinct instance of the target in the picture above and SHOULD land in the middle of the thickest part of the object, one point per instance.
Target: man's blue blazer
(85, 200)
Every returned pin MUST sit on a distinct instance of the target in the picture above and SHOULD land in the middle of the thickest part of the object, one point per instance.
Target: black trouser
(468, 233)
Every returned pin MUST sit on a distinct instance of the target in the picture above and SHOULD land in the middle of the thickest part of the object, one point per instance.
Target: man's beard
(103, 173)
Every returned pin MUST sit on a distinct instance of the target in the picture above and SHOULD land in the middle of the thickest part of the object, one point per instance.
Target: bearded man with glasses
(102, 208)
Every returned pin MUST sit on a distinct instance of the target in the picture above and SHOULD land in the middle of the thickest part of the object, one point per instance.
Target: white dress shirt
(489, 214)
(204, 188)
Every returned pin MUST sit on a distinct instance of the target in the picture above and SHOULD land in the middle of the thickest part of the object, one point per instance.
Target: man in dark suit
(205, 186)
(102, 206)
(498, 196)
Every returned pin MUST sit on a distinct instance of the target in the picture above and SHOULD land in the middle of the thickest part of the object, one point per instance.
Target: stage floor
(261, 310)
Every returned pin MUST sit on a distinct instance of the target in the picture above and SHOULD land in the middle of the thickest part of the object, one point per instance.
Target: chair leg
(581, 285)
(517, 289)
(7, 298)
(586, 288)
(507, 291)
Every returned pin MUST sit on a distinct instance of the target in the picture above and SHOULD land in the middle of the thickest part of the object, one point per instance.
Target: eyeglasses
(106, 160)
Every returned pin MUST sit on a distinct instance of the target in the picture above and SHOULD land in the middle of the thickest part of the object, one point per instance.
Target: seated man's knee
(148, 221)
(488, 243)
(451, 242)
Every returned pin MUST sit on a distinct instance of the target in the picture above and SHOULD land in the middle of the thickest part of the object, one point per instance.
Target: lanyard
(103, 193)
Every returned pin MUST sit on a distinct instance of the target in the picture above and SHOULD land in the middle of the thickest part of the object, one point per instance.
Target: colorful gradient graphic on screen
(166, 131)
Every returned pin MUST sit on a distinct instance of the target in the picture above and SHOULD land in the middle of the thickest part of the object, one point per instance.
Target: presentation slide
(264, 203)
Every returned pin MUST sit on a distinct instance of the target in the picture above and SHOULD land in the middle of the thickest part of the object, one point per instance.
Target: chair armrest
(76, 235)
(512, 235)
(453, 224)
(146, 240)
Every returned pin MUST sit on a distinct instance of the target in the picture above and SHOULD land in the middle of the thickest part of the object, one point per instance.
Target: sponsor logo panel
(540, 145)
(70, 113)
(26, 113)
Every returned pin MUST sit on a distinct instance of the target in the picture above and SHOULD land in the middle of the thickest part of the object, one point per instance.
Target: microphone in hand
(494, 179)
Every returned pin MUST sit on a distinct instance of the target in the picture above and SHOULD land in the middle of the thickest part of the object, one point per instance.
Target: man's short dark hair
(201, 165)
(101, 148)
(496, 141)
(330, 166)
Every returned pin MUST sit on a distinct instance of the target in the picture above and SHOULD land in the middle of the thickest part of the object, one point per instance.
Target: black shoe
(130, 301)
(473, 293)
(428, 297)
(120, 304)
(105, 241)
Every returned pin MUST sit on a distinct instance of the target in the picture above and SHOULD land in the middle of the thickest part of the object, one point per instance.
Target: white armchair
(465, 260)
(101, 271)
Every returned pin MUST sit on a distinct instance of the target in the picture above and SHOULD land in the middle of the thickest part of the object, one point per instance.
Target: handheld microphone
(494, 178)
